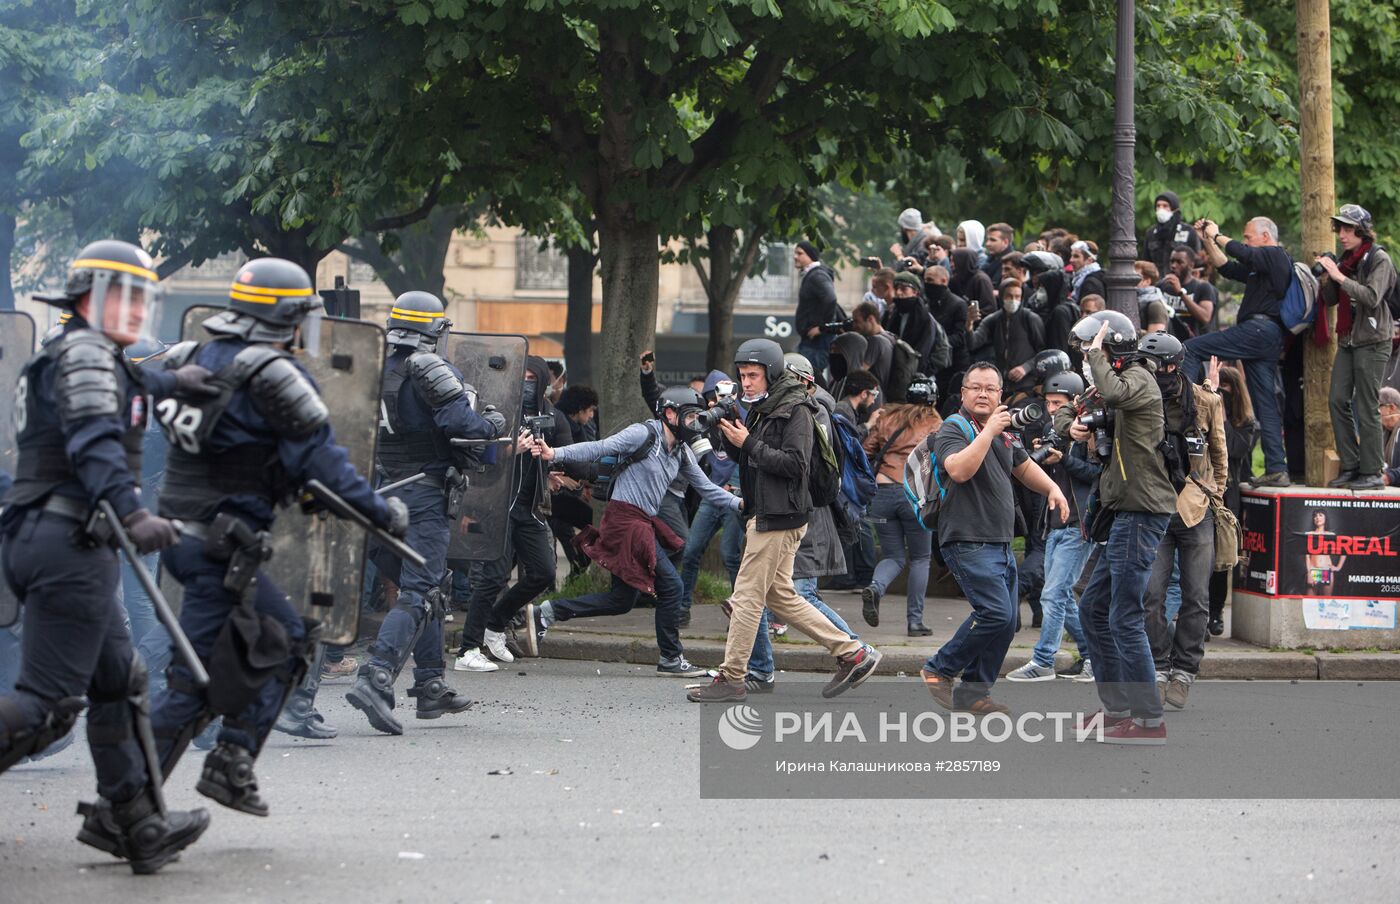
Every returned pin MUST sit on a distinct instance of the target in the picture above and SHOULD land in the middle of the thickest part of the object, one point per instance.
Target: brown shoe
(1177, 692)
(342, 669)
(984, 706)
(719, 691)
(941, 687)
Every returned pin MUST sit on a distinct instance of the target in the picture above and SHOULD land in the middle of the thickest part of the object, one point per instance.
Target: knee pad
(19, 739)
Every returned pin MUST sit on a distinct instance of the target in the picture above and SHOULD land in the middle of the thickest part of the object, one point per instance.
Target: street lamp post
(1122, 244)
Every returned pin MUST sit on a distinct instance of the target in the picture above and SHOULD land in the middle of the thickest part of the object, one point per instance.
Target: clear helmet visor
(310, 329)
(124, 306)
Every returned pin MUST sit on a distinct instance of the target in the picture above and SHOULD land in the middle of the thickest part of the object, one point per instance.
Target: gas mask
(1164, 215)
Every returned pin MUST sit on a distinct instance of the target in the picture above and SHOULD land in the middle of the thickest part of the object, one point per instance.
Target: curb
(806, 658)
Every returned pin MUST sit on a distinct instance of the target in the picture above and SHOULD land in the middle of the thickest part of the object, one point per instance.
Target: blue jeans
(709, 519)
(1257, 344)
(898, 529)
(1066, 551)
(986, 572)
(429, 533)
(1113, 616)
(151, 639)
(761, 660)
(621, 597)
(1173, 602)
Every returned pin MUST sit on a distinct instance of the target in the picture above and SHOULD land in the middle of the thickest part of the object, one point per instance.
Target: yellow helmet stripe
(256, 299)
(99, 264)
(413, 316)
(276, 293)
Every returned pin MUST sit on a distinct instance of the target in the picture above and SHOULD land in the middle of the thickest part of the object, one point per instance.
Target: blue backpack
(1299, 306)
(857, 477)
(924, 483)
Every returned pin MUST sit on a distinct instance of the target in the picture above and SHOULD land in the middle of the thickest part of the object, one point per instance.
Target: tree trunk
(1319, 199)
(7, 247)
(578, 324)
(719, 346)
(631, 282)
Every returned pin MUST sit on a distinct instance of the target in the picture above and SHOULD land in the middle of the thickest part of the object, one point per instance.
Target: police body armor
(402, 451)
(88, 383)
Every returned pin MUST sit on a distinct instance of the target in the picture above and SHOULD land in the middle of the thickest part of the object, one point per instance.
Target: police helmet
(1165, 347)
(420, 313)
(1120, 340)
(1066, 383)
(105, 265)
(268, 300)
(765, 352)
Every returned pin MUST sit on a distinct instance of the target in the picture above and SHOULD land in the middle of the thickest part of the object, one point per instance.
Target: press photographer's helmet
(1164, 347)
(103, 266)
(1119, 342)
(1050, 362)
(1068, 383)
(1041, 261)
(799, 366)
(268, 300)
(922, 391)
(688, 405)
(416, 315)
(765, 352)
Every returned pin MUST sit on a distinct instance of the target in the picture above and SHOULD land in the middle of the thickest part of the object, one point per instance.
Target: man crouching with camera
(632, 542)
(1134, 502)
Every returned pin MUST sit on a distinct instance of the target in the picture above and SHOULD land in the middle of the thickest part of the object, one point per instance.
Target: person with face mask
(1169, 231)
(949, 311)
(908, 318)
(1010, 338)
(968, 281)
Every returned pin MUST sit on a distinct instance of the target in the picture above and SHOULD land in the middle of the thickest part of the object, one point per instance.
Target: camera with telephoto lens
(1046, 443)
(1027, 414)
(837, 327)
(539, 423)
(1317, 269)
(1100, 422)
(726, 409)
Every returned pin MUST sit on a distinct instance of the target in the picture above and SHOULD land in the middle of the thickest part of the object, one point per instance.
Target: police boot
(136, 832)
(373, 695)
(228, 779)
(436, 698)
(300, 718)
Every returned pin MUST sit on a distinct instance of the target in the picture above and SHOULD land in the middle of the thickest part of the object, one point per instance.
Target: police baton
(114, 530)
(337, 506)
(400, 483)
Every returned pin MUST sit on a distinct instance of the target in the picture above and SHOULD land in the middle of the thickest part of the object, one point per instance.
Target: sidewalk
(632, 638)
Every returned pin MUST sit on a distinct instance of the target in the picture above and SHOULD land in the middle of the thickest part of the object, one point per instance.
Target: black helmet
(687, 404)
(922, 391)
(765, 352)
(1120, 340)
(1068, 383)
(105, 265)
(421, 313)
(268, 300)
(1165, 347)
(1050, 362)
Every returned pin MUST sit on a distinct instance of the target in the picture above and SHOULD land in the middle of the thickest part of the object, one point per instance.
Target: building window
(772, 280)
(536, 269)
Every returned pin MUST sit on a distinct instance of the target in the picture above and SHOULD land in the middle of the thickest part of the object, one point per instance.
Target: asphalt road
(602, 803)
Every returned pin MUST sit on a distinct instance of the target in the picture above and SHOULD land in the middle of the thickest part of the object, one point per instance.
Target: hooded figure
(1169, 229)
(533, 491)
(974, 234)
(969, 282)
(847, 354)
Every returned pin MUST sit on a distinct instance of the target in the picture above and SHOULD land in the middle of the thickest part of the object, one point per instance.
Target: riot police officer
(424, 406)
(80, 417)
(231, 460)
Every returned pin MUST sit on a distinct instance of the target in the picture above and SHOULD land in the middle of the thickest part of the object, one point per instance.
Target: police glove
(191, 380)
(398, 516)
(495, 419)
(149, 533)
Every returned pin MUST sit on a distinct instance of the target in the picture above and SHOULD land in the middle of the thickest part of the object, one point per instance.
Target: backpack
(904, 365)
(1392, 298)
(610, 467)
(1300, 301)
(824, 481)
(924, 486)
(940, 357)
(857, 476)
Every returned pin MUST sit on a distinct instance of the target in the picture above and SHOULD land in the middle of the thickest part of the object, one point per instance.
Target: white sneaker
(474, 661)
(496, 645)
(1086, 676)
(1032, 671)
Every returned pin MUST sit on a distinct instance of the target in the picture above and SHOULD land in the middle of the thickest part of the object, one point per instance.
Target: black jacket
(913, 324)
(774, 461)
(1157, 244)
(950, 310)
(816, 300)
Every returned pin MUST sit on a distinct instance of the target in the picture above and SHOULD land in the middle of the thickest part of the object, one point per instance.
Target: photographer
(1135, 500)
(1256, 339)
(975, 524)
(879, 345)
(816, 305)
(632, 542)
(774, 445)
(1358, 285)
(1195, 427)
(1066, 549)
(712, 518)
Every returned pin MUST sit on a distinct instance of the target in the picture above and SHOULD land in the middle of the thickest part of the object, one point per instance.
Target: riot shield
(16, 348)
(495, 365)
(319, 561)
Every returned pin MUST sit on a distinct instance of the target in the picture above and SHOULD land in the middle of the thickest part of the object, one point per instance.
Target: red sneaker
(1129, 731)
(1085, 726)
